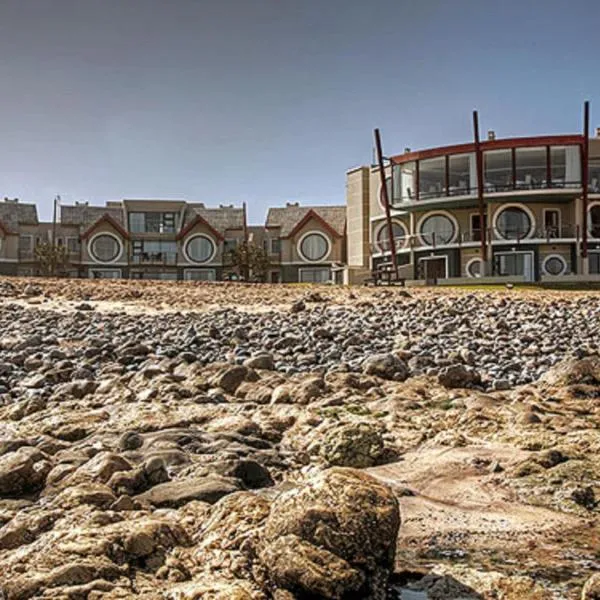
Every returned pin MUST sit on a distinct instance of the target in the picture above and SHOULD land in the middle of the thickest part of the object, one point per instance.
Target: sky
(270, 101)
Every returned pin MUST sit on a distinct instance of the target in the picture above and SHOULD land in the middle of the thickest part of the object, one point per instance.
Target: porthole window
(105, 248)
(554, 265)
(398, 231)
(514, 223)
(314, 247)
(474, 268)
(200, 249)
(438, 229)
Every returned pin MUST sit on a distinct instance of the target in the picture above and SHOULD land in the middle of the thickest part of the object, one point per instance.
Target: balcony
(154, 258)
(403, 244)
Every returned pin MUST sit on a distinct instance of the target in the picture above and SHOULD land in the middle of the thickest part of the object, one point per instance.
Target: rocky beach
(253, 442)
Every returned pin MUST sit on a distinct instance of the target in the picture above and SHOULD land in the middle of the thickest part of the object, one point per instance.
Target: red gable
(311, 214)
(106, 218)
(195, 221)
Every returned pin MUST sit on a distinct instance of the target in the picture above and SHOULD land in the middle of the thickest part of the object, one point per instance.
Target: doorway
(434, 268)
(516, 264)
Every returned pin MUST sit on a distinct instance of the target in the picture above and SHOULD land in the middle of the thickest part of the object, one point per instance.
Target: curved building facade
(531, 217)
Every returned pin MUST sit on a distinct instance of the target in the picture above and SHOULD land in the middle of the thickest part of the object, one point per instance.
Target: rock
(177, 493)
(356, 445)
(23, 471)
(252, 474)
(297, 307)
(458, 376)
(591, 589)
(260, 361)
(386, 366)
(230, 378)
(346, 513)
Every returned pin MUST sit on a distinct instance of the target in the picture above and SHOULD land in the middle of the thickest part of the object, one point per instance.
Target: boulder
(23, 471)
(356, 445)
(591, 589)
(458, 376)
(230, 378)
(177, 493)
(386, 366)
(264, 360)
(344, 513)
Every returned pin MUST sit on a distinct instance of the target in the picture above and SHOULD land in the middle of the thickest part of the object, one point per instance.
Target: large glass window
(531, 166)
(200, 275)
(404, 182)
(200, 248)
(594, 221)
(432, 177)
(25, 243)
(105, 248)
(315, 275)
(437, 229)
(383, 238)
(154, 251)
(459, 175)
(314, 247)
(594, 175)
(151, 222)
(558, 165)
(513, 224)
(498, 175)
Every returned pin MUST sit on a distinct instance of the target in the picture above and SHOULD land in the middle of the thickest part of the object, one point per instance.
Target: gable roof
(14, 213)
(291, 217)
(106, 218)
(195, 221)
(85, 215)
(220, 219)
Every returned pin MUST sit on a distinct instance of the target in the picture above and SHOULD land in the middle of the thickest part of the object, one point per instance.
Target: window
(200, 249)
(558, 165)
(404, 183)
(594, 175)
(497, 170)
(229, 245)
(432, 177)
(314, 247)
(151, 222)
(383, 238)
(73, 245)
(552, 223)
(437, 229)
(60, 241)
(594, 263)
(554, 265)
(474, 267)
(154, 251)
(513, 223)
(459, 174)
(105, 273)
(25, 243)
(314, 275)
(275, 246)
(594, 221)
(531, 167)
(105, 248)
(476, 229)
(200, 275)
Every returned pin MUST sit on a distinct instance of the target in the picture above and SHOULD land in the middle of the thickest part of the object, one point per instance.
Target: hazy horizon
(267, 102)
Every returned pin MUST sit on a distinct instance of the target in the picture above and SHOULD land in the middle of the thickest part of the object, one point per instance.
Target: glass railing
(153, 258)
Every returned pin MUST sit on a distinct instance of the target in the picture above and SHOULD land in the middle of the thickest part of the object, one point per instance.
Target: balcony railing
(154, 258)
(431, 240)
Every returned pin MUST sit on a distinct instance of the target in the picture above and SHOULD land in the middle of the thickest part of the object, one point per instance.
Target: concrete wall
(357, 201)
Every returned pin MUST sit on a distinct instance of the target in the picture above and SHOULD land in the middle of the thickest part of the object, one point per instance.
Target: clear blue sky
(265, 101)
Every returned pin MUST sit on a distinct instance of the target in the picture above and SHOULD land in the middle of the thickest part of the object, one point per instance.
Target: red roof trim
(198, 219)
(521, 142)
(108, 219)
(311, 214)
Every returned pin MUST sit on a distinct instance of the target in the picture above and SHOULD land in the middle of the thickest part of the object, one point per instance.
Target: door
(552, 223)
(476, 229)
(517, 264)
(434, 268)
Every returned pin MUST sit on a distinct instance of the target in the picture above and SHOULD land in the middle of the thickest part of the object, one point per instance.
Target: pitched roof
(220, 219)
(289, 217)
(106, 218)
(13, 214)
(195, 220)
(85, 215)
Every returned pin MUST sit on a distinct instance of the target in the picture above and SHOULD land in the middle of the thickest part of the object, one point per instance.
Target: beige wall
(289, 246)
(357, 202)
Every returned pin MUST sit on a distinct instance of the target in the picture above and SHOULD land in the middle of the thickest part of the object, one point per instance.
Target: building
(530, 226)
(306, 242)
(172, 240)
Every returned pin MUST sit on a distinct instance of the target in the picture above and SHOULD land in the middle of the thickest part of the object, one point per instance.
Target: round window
(555, 265)
(437, 229)
(474, 267)
(513, 223)
(314, 246)
(383, 238)
(594, 221)
(200, 249)
(105, 248)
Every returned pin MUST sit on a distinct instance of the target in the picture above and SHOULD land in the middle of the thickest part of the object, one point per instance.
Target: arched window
(438, 229)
